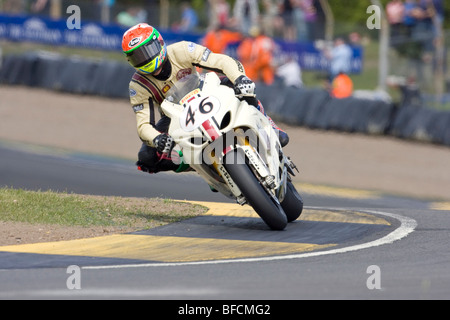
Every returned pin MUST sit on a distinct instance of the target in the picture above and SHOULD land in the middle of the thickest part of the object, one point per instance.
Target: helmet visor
(145, 54)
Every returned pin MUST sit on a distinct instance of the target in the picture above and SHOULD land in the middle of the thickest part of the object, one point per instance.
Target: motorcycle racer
(158, 66)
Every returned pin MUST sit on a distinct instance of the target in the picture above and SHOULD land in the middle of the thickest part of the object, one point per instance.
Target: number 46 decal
(198, 110)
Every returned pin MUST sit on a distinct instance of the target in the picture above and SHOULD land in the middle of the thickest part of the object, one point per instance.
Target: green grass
(37, 207)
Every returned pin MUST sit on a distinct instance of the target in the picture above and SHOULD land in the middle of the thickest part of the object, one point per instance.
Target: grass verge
(63, 209)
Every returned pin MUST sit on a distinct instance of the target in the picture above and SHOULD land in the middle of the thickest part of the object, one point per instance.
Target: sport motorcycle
(233, 147)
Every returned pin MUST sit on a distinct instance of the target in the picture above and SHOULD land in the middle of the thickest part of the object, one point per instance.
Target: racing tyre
(292, 203)
(265, 206)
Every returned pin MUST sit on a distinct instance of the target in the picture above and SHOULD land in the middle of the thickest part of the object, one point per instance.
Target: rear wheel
(292, 203)
(265, 206)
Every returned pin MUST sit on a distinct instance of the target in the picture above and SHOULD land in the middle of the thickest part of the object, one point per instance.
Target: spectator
(425, 28)
(412, 14)
(131, 16)
(246, 56)
(342, 86)
(220, 13)
(340, 58)
(439, 10)
(318, 25)
(437, 16)
(404, 43)
(419, 24)
(355, 39)
(438, 33)
(310, 13)
(411, 96)
(395, 11)
(300, 21)
(268, 18)
(286, 9)
(246, 14)
(218, 39)
(409, 89)
(256, 55)
(433, 13)
(291, 73)
(189, 19)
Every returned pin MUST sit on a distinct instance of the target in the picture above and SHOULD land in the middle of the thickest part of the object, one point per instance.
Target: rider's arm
(145, 111)
(204, 58)
(232, 68)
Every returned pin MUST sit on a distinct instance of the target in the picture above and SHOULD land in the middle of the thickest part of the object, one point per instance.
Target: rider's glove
(164, 143)
(244, 87)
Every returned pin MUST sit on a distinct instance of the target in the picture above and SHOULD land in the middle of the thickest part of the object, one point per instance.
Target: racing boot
(282, 136)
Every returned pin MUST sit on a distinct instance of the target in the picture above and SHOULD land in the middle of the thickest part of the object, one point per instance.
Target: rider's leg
(151, 161)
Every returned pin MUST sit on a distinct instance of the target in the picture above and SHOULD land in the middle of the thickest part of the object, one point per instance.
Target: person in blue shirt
(340, 57)
(189, 19)
(412, 13)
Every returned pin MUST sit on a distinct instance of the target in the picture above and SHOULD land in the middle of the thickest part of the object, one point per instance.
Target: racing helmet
(144, 48)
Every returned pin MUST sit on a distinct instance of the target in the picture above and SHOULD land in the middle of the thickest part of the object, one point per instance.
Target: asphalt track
(228, 253)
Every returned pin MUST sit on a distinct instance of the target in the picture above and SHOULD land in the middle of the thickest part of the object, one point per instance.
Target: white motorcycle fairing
(208, 122)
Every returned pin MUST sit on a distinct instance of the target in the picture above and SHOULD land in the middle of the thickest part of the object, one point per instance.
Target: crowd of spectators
(254, 24)
(255, 29)
(417, 21)
(416, 34)
(292, 20)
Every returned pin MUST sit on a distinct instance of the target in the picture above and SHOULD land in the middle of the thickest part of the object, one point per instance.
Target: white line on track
(407, 226)
(111, 293)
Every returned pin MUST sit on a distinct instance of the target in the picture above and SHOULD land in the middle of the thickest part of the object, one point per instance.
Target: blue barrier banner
(109, 37)
(311, 58)
(308, 56)
(55, 32)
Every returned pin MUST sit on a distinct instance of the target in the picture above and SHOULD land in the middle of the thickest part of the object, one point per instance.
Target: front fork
(259, 168)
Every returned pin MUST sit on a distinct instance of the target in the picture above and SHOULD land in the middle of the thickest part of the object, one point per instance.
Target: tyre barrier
(308, 107)
(422, 124)
(67, 74)
(315, 109)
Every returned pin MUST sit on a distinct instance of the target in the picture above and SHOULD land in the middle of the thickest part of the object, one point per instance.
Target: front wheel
(292, 203)
(265, 206)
